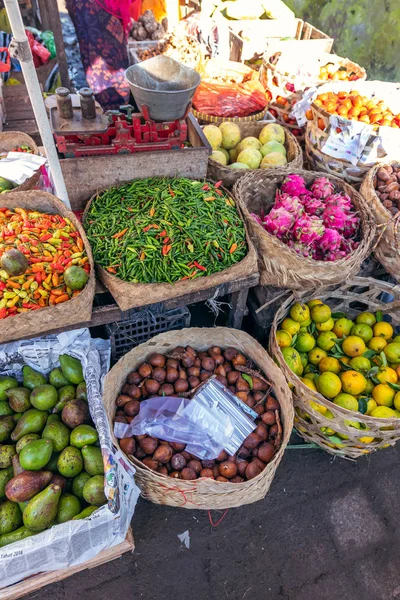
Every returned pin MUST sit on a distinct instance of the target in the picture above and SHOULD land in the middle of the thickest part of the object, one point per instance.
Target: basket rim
(367, 182)
(342, 59)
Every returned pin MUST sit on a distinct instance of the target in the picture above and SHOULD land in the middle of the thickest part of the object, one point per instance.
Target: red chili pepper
(206, 188)
(163, 233)
(196, 264)
(166, 240)
(166, 249)
(218, 184)
(45, 237)
(171, 192)
(120, 234)
(218, 192)
(3, 313)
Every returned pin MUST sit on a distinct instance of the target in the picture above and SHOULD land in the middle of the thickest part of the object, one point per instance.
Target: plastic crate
(142, 326)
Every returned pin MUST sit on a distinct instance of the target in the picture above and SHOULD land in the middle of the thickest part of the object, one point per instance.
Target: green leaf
(373, 371)
(294, 339)
(338, 349)
(362, 405)
(313, 328)
(336, 354)
(338, 315)
(394, 386)
(346, 367)
(369, 354)
(383, 358)
(379, 316)
(248, 379)
(375, 380)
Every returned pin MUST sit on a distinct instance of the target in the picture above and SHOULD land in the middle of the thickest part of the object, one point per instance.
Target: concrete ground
(327, 529)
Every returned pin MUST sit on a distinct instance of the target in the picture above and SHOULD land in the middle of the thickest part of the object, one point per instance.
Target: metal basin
(164, 85)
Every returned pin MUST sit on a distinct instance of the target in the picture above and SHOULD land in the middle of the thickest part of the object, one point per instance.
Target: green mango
(84, 435)
(92, 460)
(70, 462)
(5, 408)
(85, 513)
(5, 476)
(78, 484)
(23, 505)
(6, 427)
(81, 391)
(41, 511)
(32, 421)
(44, 397)
(57, 379)
(65, 394)
(52, 464)
(18, 399)
(15, 536)
(32, 379)
(10, 517)
(93, 491)
(5, 384)
(68, 507)
(7, 452)
(53, 418)
(58, 433)
(71, 369)
(35, 455)
(26, 439)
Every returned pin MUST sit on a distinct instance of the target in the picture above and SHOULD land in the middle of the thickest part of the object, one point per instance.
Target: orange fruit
(353, 382)
(355, 111)
(328, 384)
(330, 364)
(383, 329)
(383, 395)
(353, 346)
(386, 375)
(342, 111)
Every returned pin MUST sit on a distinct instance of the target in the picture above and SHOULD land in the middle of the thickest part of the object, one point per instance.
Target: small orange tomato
(355, 111)
(364, 118)
(323, 97)
(375, 118)
(321, 124)
(309, 114)
(342, 111)
(394, 124)
(342, 75)
(330, 106)
(286, 118)
(342, 95)
(354, 93)
(357, 101)
(385, 123)
(318, 102)
(347, 103)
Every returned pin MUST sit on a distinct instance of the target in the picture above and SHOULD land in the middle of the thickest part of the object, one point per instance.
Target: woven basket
(229, 177)
(280, 265)
(202, 493)
(387, 249)
(11, 139)
(357, 295)
(282, 115)
(203, 118)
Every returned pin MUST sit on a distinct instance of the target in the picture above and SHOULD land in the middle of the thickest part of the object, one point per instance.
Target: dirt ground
(327, 529)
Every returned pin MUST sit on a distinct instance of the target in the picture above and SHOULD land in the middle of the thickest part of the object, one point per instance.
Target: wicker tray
(387, 248)
(357, 295)
(280, 265)
(229, 177)
(202, 493)
(11, 139)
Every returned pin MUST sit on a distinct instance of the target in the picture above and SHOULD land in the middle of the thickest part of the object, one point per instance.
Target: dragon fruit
(290, 203)
(351, 225)
(257, 218)
(279, 222)
(331, 240)
(301, 249)
(342, 200)
(308, 229)
(334, 217)
(312, 206)
(335, 255)
(322, 188)
(294, 185)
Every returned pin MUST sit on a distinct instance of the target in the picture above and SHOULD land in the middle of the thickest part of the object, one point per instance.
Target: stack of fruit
(354, 364)
(51, 468)
(264, 152)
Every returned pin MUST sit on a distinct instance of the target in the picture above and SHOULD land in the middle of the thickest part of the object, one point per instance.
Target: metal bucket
(164, 85)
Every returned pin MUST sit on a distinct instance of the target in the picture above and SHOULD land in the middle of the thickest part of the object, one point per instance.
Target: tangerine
(383, 329)
(330, 364)
(329, 384)
(353, 382)
(383, 394)
(353, 346)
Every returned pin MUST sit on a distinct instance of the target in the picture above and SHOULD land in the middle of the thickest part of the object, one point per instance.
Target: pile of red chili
(51, 244)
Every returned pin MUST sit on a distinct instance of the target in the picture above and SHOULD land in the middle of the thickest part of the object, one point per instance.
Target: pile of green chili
(162, 230)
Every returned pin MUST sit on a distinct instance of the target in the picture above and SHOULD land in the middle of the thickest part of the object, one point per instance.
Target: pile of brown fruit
(179, 374)
(387, 187)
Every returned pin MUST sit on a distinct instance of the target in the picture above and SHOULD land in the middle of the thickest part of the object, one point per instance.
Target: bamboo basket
(356, 295)
(387, 248)
(378, 148)
(11, 139)
(229, 177)
(74, 311)
(280, 265)
(202, 493)
(132, 295)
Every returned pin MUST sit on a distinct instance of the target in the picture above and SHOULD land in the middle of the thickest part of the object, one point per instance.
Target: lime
(329, 363)
(326, 340)
(360, 363)
(386, 375)
(305, 342)
(315, 302)
(397, 401)
(371, 404)
(293, 360)
(328, 384)
(383, 329)
(310, 384)
(366, 318)
(392, 351)
(377, 344)
(383, 412)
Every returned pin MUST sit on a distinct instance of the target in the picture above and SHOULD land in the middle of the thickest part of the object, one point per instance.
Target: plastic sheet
(230, 99)
(213, 420)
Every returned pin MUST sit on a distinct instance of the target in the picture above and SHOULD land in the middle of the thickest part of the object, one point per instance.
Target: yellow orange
(353, 382)
(383, 329)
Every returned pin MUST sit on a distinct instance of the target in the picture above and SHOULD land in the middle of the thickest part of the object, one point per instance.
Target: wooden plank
(239, 304)
(50, 18)
(37, 582)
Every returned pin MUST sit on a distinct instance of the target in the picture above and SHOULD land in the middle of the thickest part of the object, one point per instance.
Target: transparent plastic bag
(212, 421)
(230, 99)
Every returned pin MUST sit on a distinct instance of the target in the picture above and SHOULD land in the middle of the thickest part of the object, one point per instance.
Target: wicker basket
(280, 265)
(387, 249)
(202, 493)
(357, 295)
(11, 139)
(229, 177)
(385, 138)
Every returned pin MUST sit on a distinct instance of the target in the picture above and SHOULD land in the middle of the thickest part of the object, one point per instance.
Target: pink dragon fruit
(257, 218)
(308, 229)
(294, 185)
(348, 246)
(279, 222)
(335, 255)
(312, 206)
(334, 217)
(290, 203)
(301, 249)
(341, 200)
(322, 188)
(351, 225)
(330, 241)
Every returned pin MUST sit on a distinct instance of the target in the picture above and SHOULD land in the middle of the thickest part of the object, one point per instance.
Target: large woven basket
(12, 139)
(357, 295)
(387, 248)
(380, 146)
(229, 177)
(280, 265)
(202, 493)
